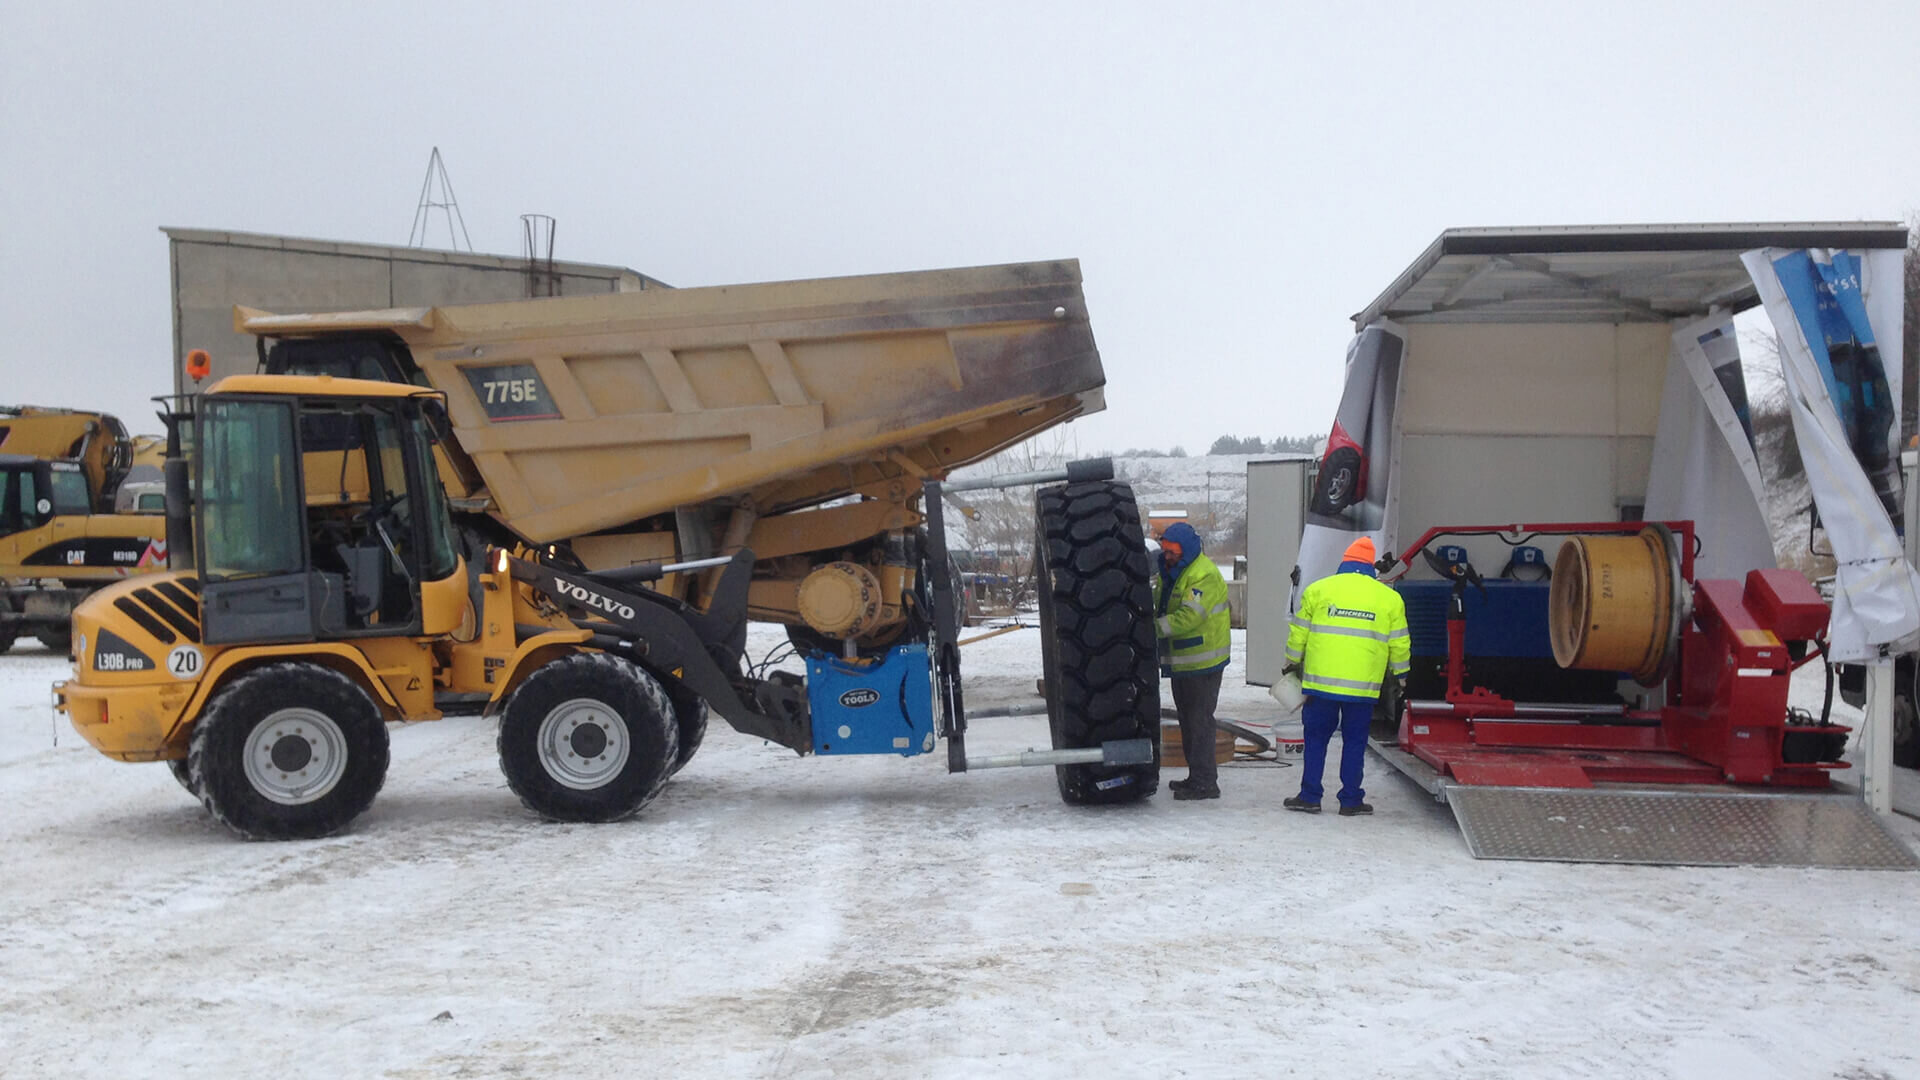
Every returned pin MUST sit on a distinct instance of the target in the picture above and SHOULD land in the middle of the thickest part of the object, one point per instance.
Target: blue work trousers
(1320, 717)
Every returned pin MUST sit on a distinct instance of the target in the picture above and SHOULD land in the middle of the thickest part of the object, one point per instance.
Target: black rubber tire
(1097, 647)
(7, 634)
(690, 716)
(1906, 733)
(59, 641)
(215, 759)
(1244, 734)
(183, 773)
(627, 691)
(1339, 483)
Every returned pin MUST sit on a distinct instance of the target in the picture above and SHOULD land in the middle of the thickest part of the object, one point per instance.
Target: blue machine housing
(873, 708)
(1510, 620)
(1508, 647)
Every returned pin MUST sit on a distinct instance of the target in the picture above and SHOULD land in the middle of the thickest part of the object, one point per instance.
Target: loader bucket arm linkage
(675, 641)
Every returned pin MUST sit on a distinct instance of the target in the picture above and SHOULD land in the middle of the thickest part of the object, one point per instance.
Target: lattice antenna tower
(436, 193)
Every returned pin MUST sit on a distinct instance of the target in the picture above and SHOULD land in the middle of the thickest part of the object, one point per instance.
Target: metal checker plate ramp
(1674, 828)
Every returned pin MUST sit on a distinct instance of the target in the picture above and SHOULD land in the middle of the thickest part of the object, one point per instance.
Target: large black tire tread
(1096, 635)
(1906, 733)
(690, 716)
(58, 640)
(215, 771)
(7, 634)
(183, 772)
(653, 734)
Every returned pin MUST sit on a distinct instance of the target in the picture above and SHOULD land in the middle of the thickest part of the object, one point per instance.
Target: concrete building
(213, 270)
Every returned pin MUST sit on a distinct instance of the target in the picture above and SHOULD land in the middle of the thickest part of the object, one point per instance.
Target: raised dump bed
(583, 414)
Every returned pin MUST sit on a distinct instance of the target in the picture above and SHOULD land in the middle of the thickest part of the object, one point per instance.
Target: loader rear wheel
(1096, 635)
(288, 752)
(588, 737)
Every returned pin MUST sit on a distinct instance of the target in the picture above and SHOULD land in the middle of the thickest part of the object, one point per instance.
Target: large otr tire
(288, 752)
(1096, 635)
(57, 640)
(588, 737)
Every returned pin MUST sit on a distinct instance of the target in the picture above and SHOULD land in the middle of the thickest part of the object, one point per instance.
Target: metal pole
(1117, 752)
(1876, 737)
(1075, 472)
(1090, 756)
(1038, 708)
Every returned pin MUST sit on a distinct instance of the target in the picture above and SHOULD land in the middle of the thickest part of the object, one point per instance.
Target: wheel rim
(295, 756)
(583, 744)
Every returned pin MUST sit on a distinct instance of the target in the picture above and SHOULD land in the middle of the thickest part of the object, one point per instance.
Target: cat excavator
(79, 508)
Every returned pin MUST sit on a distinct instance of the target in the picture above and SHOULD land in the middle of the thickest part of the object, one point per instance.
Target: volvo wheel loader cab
(323, 572)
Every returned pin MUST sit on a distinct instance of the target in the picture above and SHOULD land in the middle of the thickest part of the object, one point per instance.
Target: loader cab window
(361, 509)
(249, 491)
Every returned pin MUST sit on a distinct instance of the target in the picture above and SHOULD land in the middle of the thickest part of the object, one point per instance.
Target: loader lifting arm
(702, 650)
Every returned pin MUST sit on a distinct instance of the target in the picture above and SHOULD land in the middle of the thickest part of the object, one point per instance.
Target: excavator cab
(318, 514)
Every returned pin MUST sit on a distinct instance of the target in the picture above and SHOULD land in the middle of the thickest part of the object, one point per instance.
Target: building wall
(1511, 423)
(213, 271)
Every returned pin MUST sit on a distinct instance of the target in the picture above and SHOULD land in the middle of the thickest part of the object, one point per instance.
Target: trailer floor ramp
(1664, 825)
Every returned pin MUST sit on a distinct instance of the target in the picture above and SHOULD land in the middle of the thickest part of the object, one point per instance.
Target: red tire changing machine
(1725, 718)
(1674, 783)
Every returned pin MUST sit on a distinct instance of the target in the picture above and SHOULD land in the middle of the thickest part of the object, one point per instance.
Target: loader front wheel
(1096, 635)
(183, 773)
(690, 716)
(288, 752)
(588, 737)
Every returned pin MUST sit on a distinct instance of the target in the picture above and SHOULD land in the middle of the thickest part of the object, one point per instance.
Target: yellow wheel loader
(504, 514)
(69, 519)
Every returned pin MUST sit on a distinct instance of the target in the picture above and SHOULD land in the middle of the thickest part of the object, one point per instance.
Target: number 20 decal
(184, 662)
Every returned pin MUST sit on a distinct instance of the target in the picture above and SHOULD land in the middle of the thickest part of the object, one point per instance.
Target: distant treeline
(1233, 444)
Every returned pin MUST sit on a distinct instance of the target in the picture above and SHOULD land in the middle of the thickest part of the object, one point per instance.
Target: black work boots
(1185, 791)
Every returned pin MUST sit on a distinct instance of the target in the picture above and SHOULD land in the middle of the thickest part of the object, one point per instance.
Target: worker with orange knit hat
(1349, 635)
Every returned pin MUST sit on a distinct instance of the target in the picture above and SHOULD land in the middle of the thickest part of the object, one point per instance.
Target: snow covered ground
(865, 917)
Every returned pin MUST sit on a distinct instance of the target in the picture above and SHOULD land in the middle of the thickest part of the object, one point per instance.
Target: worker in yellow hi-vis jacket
(1349, 635)
(1190, 600)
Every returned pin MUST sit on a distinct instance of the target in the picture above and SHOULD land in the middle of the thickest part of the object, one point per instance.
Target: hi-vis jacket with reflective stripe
(1349, 633)
(1193, 618)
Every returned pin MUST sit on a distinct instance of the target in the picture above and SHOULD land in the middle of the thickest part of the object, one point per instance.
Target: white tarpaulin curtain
(1704, 470)
(1354, 495)
(1843, 392)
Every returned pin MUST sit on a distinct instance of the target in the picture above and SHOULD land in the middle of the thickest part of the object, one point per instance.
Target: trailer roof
(1600, 273)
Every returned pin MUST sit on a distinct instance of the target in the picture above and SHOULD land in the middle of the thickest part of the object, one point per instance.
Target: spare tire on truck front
(1097, 648)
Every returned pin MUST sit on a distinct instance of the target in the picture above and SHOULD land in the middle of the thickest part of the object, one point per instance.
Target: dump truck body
(685, 422)
(583, 414)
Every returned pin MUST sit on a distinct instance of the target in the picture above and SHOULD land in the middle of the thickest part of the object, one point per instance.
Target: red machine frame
(1725, 719)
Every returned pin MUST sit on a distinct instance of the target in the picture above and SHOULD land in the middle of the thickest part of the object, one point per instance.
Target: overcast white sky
(1236, 180)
